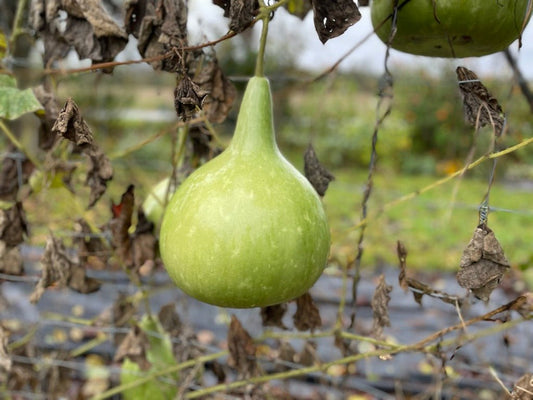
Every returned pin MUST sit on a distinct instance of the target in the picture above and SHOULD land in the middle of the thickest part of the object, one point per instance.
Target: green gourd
(246, 229)
(452, 28)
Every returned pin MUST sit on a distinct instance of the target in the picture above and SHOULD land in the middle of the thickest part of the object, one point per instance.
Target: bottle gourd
(452, 28)
(246, 229)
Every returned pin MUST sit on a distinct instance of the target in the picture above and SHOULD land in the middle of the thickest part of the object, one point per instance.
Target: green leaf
(160, 356)
(15, 102)
(299, 8)
(3, 44)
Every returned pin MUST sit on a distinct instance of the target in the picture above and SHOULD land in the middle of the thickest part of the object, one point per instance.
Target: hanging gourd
(451, 28)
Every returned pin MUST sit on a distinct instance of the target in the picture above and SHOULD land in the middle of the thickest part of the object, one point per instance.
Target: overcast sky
(314, 55)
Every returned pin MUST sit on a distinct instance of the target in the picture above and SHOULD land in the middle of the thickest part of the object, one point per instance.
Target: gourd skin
(246, 229)
(465, 28)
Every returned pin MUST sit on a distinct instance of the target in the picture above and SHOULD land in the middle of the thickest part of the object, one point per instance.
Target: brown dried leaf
(5, 359)
(100, 172)
(47, 98)
(10, 260)
(71, 125)
(333, 17)
(241, 350)
(380, 307)
(89, 244)
(170, 320)
(483, 263)
(15, 171)
(240, 12)
(480, 107)
(134, 346)
(158, 26)
(188, 97)
(401, 251)
(201, 139)
(13, 225)
(143, 241)
(220, 91)
(315, 172)
(120, 224)
(88, 29)
(60, 269)
(307, 315)
(273, 315)
(523, 388)
(308, 356)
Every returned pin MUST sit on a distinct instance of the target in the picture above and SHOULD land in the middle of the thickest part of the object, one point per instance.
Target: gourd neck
(255, 127)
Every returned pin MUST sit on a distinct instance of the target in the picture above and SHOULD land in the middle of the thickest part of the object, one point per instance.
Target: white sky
(286, 28)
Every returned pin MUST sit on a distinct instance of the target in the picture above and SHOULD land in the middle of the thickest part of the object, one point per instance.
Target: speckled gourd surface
(246, 229)
(452, 28)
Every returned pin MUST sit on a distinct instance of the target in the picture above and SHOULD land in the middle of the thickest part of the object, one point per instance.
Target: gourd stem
(265, 16)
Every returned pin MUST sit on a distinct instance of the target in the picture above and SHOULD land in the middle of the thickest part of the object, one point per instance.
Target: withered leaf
(5, 359)
(170, 320)
(401, 251)
(134, 346)
(380, 307)
(333, 17)
(47, 98)
(273, 315)
(159, 26)
(241, 350)
(100, 172)
(307, 315)
(240, 12)
(13, 225)
(220, 91)
(120, 224)
(308, 356)
(143, 241)
(480, 107)
(11, 262)
(89, 244)
(59, 268)
(483, 263)
(15, 171)
(89, 29)
(315, 172)
(523, 388)
(72, 126)
(188, 97)
(201, 140)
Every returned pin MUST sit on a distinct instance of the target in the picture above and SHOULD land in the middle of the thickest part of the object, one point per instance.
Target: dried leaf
(483, 263)
(220, 91)
(88, 28)
(143, 241)
(59, 268)
(89, 244)
(308, 356)
(71, 125)
(134, 346)
(401, 251)
(333, 17)
(523, 388)
(158, 26)
(11, 262)
(5, 359)
(13, 226)
(480, 107)
(201, 139)
(16, 170)
(100, 172)
(120, 225)
(240, 12)
(307, 315)
(241, 350)
(170, 320)
(47, 98)
(188, 97)
(273, 315)
(315, 172)
(380, 307)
